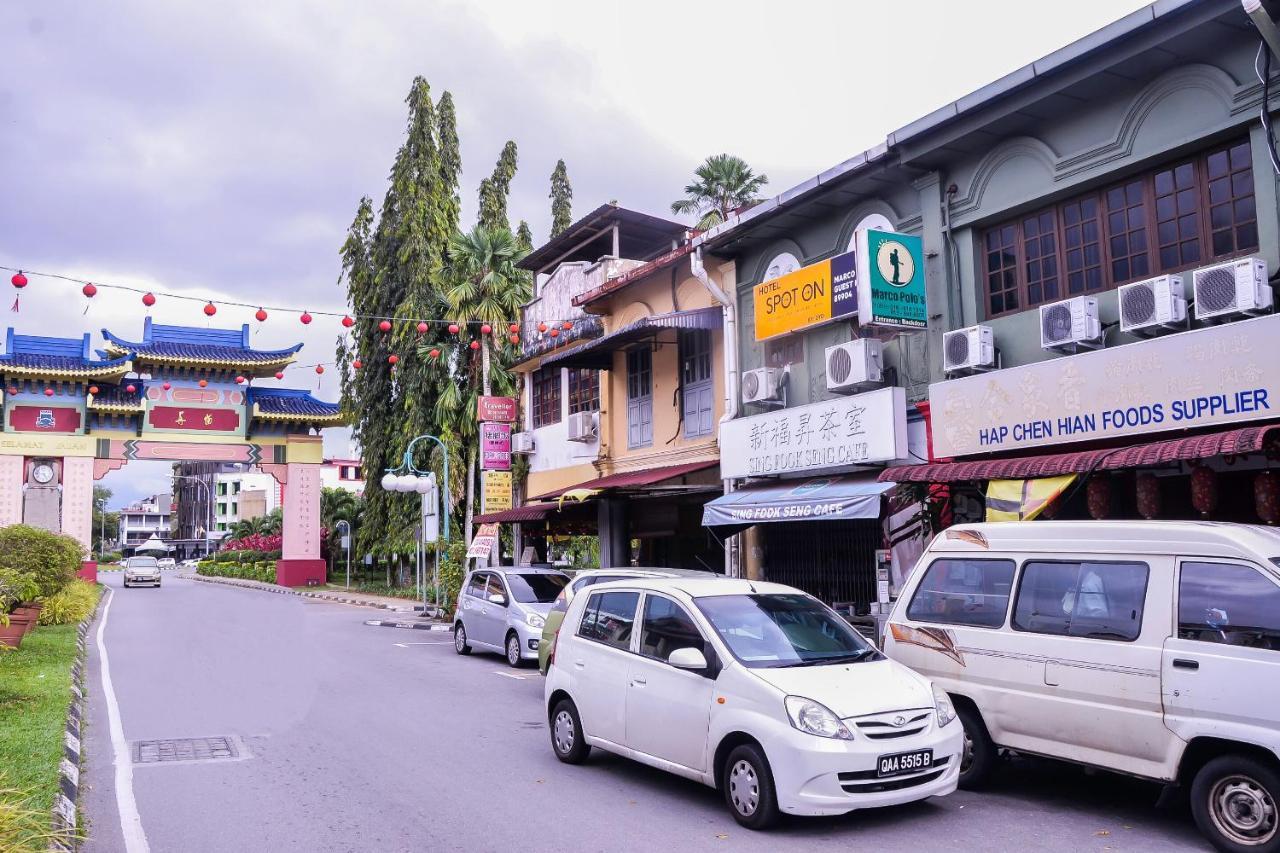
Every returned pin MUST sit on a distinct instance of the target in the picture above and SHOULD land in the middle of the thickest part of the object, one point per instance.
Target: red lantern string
(204, 383)
(305, 318)
(514, 328)
(454, 328)
(166, 386)
(89, 290)
(19, 280)
(567, 325)
(393, 359)
(475, 345)
(239, 380)
(542, 327)
(357, 364)
(148, 299)
(319, 369)
(515, 339)
(555, 333)
(130, 388)
(384, 326)
(486, 329)
(93, 389)
(210, 309)
(48, 392)
(435, 353)
(261, 315)
(422, 328)
(279, 374)
(347, 321)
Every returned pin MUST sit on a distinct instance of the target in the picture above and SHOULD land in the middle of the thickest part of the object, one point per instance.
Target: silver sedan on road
(141, 570)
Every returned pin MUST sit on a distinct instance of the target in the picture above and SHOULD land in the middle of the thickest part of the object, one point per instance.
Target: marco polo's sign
(808, 296)
(1219, 375)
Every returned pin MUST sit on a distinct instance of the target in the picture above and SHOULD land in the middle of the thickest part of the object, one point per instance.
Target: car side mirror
(498, 599)
(688, 658)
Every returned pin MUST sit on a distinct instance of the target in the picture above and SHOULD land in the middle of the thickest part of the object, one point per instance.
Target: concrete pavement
(361, 739)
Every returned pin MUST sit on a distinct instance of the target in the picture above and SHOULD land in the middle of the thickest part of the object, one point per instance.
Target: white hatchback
(754, 688)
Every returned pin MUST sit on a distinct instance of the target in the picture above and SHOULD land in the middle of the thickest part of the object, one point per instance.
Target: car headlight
(815, 718)
(534, 620)
(942, 704)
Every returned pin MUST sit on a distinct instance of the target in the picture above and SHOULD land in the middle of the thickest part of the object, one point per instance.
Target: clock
(42, 473)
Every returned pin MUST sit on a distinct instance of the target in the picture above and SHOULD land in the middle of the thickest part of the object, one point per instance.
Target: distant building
(343, 474)
(243, 495)
(141, 520)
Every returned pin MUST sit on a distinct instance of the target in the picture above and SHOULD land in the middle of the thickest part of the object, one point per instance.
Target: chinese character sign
(497, 491)
(495, 446)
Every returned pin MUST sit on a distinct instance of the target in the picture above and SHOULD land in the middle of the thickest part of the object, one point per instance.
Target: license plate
(904, 762)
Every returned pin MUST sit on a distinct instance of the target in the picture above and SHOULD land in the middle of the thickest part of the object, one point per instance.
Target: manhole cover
(227, 748)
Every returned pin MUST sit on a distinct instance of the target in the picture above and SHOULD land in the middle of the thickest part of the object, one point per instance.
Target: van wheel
(566, 733)
(1234, 799)
(748, 787)
(979, 756)
(460, 640)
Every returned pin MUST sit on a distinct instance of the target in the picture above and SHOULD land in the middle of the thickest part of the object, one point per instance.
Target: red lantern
(475, 345)
(567, 325)
(514, 328)
(422, 328)
(89, 290)
(130, 388)
(453, 328)
(1148, 489)
(279, 374)
(148, 299)
(93, 389)
(166, 386)
(48, 392)
(210, 309)
(203, 383)
(19, 280)
(393, 359)
(542, 327)
(305, 318)
(357, 364)
(515, 339)
(435, 353)
(319, 369)
(1098, 497)
(261, 315)
(239, 380)
(348, 322)
(1204, 490)
(1266, 496)
(384, 326)
(555, 333)
(486, 329)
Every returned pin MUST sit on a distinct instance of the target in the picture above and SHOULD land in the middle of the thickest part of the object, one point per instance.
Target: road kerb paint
(135, 839)
(508, 675)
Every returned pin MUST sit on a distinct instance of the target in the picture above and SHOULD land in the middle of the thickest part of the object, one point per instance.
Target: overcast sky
(220, 149)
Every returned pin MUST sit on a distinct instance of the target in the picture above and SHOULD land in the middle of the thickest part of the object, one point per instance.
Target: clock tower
(42, 495)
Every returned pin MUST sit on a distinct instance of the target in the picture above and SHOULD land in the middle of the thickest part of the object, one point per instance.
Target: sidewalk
(402, 606)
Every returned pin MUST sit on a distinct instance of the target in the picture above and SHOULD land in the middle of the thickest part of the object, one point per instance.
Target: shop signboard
(198, 419)
(862, 429)
(806, 297)
(1217, 375)
(890, 280)
(495, 446)
(64, 419)
(497, 409)
(497, 491)
(482, 544)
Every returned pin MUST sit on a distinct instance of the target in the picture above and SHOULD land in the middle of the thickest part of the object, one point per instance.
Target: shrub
(71, 605)
(109, 557)
(15, 586)
(53, 559)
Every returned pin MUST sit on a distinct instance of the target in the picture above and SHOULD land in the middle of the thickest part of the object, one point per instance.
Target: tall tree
(723, 184)
(106, 525)
(561, 200)
(450, 162)
(495, 189)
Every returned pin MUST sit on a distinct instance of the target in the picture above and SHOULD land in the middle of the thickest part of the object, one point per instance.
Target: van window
(1102, 601)
(1228, 603)
(964, 592)
(608, 618)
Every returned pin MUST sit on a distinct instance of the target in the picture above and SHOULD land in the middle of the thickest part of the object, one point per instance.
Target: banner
(483, 542)
(806, 297)
(1023, 500)
(497, 491)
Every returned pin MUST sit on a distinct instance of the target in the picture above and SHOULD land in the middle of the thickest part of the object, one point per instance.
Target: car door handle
(580, 664)
(640, 681)
(1183, 663)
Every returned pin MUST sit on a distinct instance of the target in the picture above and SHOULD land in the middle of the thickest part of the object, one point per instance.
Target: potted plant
(15, 586)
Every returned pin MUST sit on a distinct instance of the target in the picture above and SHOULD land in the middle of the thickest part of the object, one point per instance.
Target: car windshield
(142, 562)
(783, 630)
(536, 588)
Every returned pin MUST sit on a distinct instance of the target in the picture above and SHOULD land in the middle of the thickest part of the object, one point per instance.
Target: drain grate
(185, 749)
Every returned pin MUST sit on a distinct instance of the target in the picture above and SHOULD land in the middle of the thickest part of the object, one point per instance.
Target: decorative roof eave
(283, 359)
(297, 417)
(110, 406)
(107, 370)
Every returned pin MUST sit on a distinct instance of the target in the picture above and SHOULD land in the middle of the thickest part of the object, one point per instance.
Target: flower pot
(11, 635)
(25, 622)
(33, 613)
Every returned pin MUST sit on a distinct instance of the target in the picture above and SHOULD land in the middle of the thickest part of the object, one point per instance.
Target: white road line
(508, 675)
(407, 645)
(135, 839)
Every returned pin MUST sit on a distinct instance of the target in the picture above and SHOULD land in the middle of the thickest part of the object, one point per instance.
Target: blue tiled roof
(196, 344)
(116, 395)
(285, 401)
(56, 355)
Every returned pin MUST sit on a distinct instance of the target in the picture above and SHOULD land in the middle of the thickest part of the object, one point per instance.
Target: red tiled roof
(1227, 442)
(528, 512)
(625, 479)
(631, 275)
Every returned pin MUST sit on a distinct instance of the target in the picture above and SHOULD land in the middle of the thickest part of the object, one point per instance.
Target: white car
(166, 563)
(141, 570)
(754, 688)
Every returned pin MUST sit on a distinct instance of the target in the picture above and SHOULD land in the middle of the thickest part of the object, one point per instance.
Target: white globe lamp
(389, 482)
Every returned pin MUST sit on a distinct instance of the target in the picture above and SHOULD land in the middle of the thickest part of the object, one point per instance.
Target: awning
(528, 512)
(1228, 442)
(598, 355)
(840, 498)
(625, 479)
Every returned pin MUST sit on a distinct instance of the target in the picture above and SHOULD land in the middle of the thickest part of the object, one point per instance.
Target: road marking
(508, 675)
(135, 839)
(407, 645)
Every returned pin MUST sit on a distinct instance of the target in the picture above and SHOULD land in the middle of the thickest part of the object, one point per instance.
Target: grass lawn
(35, 689)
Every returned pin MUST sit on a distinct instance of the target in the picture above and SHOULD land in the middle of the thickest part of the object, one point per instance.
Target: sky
(220, 149)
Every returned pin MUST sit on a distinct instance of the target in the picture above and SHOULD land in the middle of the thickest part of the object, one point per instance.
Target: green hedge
(262, 570)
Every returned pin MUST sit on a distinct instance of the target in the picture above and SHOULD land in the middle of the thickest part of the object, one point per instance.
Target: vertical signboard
(890, 280)
(497, 491)
(495, 447)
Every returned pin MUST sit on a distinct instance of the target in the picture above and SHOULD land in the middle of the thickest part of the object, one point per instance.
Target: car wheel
(513, 650)
(566, 733)
(978, 757)
(748, 787)
(460, 640)
(1234, 799)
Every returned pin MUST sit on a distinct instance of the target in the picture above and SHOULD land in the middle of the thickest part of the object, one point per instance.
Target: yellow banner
(1023, 500)
(28, 444)
(793, 301)
(497, 491)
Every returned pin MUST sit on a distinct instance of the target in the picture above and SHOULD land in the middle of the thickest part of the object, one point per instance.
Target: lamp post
(347, 540)
(208, 500)
(102, 525)
(409, 478)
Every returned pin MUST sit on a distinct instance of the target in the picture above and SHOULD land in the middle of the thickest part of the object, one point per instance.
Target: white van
(1147, 648)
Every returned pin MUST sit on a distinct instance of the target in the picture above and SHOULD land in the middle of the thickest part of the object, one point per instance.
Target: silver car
(141, 570)
(503, 609)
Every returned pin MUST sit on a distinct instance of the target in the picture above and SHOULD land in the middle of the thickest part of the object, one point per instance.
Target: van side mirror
(688, 658)
(498, 599)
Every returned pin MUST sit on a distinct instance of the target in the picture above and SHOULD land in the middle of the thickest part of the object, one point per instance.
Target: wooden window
(1177, 194)
(1082, 245)
(584, 390)
(639, 397)
(1233, 220)
(696, 384)
(546, 397)
(1040, 254)
(1127, 230)
(1002, 269)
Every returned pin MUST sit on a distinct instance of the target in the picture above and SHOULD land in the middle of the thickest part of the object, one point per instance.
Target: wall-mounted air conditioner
(1070, 324)
(970, 349)
(584, 426)
(1236, 287)
(1149, 306)
(522, 442)
(854, 364)
(761, 385)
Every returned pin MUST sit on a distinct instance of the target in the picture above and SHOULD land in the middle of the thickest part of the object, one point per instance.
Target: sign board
(497, 491)
(859, 430)
(495, 446)
(482, 544)
(1217, 375)
(64, 419)
(806, 297)
(890, 280)
(178, 418)
(499, 409)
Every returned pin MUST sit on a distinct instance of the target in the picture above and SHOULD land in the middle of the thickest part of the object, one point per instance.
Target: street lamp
(347, 540)
(409, 478)
(102, 525)
(208, 501)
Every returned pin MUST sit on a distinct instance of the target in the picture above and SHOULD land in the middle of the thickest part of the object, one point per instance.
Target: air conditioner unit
(1157, 303)
(854, 364)
(1070, 324)
(761, 385)
(584, 426)
(1236, 287)
(969, 349)
(522, 442)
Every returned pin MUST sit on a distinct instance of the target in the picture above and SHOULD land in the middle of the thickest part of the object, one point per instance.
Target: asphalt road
(378, 739)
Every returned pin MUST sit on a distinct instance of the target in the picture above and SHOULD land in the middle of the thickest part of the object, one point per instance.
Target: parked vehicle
(503, 609)
(166, 563)
(588, 577)
(1147, 648)
(754, 688)
(141, 570)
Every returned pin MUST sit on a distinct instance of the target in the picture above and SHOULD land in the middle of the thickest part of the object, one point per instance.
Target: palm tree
(724, 184)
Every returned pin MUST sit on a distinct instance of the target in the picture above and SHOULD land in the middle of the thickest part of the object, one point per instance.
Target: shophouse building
(143, 519)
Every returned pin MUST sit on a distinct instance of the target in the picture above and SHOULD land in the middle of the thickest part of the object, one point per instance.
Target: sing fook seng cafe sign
(1219, 375)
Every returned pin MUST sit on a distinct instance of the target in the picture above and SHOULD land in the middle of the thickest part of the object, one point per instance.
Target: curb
(64, 826)
(420, 626)
(284, 590)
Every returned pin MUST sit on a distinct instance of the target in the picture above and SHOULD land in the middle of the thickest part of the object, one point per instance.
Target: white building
(140, 520)
(343, 474)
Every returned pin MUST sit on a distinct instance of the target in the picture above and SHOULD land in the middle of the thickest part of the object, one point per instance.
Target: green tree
(723, 184)
(106, 525)
(561, 200)
(495, 189)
